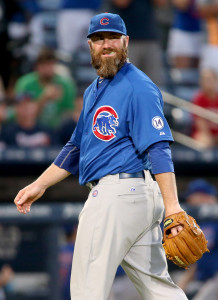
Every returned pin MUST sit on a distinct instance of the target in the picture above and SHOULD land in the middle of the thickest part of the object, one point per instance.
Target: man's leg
(92, 272)
(114, 216)
(146, 266)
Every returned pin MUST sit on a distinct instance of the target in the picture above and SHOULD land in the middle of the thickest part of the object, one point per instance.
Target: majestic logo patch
(104, 121)
(104, 21)
(157, 123)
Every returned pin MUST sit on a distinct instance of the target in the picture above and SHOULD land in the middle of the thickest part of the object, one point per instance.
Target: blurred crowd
(45, 63)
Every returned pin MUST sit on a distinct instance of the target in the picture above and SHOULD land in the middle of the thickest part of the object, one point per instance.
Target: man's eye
(97, 38)
(101, 38)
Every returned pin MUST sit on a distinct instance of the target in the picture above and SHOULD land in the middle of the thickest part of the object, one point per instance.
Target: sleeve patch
(157, 123)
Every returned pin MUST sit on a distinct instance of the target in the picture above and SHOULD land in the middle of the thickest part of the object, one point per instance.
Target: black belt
(122, 175)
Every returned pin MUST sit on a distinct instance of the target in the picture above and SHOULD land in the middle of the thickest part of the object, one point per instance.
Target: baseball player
(121, 138)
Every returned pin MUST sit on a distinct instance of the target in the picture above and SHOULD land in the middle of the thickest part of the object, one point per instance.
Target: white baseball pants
(119, 224)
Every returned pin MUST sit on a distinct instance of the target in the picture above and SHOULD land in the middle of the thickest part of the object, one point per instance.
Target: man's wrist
(173, 210)
(41, 183)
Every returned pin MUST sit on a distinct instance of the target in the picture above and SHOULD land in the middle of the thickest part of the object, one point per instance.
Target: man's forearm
(181, 4)
(51, 176)
(160, 3)
(208, 10)
(167, 184)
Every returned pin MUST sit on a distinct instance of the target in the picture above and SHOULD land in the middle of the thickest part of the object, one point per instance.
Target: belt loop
(148, 177)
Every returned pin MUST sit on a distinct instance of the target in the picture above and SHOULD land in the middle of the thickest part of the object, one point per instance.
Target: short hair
(46, 55)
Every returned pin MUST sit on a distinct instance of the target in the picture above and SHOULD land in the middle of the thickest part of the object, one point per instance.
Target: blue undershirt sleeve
(68, 158)
(159, 155)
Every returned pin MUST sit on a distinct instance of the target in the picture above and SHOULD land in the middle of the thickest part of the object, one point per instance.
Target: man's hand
(122, 4)
(3, 112)
(52, 175)
(27, 196)
(6, 274)
(175, 230)
(189, 245)
(52, 92)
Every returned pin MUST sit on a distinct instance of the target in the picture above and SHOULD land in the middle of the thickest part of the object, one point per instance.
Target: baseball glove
(189, 245)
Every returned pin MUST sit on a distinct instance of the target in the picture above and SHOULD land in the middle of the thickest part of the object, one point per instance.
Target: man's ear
(127, 40)
(89, 42)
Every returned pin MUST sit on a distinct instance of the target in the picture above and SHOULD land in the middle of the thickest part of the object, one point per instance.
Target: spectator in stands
(53, 94)
(185, 37)
(144, 48)
(205, 131)
(5, 56)
(6, 275)
(22, 13)
(2, 118)
(205, 271)
(25, 131)
(208, 10)
(2, 104)
(200, 192)
(164, 17)
(69, 124)
(4, 113)
(73, 23)
(65, 260)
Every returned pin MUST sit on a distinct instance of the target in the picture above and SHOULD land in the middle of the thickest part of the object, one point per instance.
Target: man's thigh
(146, 266)
(114, 216)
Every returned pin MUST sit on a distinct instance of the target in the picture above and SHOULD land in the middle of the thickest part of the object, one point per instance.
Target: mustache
(108, 66)
(108, 50)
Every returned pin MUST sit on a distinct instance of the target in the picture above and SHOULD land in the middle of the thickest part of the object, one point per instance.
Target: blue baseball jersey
(118, 123)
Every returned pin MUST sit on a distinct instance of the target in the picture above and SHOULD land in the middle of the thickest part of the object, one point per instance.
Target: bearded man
(121, 139)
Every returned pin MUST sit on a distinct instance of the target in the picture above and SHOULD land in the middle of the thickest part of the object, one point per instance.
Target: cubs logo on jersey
(104, 122)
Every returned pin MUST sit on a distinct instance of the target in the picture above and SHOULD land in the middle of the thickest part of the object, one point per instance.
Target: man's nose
(106, 42)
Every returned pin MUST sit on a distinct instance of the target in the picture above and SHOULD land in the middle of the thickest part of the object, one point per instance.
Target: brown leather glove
(189, 245)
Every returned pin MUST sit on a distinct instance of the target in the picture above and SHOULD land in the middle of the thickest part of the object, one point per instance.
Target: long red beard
(107, 67)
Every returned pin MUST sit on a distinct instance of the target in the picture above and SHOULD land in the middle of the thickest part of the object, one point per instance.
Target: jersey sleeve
(68, 158)
(147, 123)
(159, 155)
